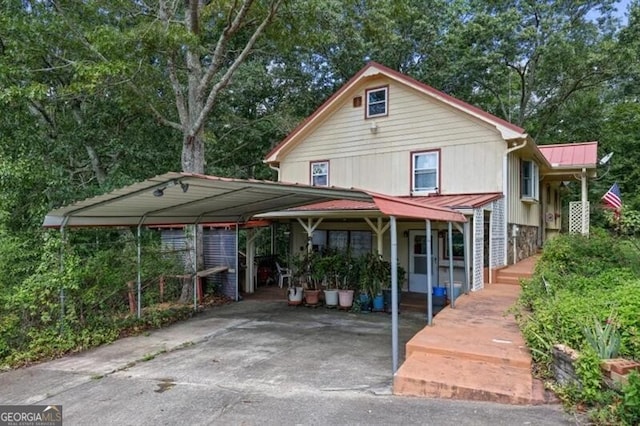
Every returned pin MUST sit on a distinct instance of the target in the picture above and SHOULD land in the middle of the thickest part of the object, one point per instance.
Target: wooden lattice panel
(576, 216)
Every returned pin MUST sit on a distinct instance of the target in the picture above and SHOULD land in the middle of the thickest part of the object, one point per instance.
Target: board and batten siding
(519, 212)
(471, 151)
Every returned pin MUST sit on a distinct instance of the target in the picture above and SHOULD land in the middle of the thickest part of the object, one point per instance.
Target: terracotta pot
(312, 297)
(346, 298)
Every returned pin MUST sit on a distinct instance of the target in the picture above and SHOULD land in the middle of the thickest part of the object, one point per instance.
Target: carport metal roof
(187, 198)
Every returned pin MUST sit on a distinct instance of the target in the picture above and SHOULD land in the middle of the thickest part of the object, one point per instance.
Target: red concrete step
(444, 376)
(492, 343)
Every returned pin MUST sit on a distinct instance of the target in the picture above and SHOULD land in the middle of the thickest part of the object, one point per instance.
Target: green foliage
(604, 340)
(35, 324)
(582, 281)
(629, 408)
(588, 370)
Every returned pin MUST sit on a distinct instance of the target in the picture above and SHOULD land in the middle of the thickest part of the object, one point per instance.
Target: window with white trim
(529, 180)
(320, 173)
(377, 102)
(424, 171)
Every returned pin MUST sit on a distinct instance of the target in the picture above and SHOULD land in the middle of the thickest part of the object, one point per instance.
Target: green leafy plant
(604, 340)
(588, 369)
(629, 408)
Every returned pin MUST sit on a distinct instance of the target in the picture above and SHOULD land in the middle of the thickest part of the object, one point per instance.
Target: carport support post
(429, 275)
(139, 277)
(63, 239)
(394, 293)
(451, 293)
(195, 266)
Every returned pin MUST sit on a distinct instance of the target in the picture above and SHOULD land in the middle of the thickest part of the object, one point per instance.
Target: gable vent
(357, 101)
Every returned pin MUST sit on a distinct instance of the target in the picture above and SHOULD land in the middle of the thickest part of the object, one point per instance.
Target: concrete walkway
(475, 351)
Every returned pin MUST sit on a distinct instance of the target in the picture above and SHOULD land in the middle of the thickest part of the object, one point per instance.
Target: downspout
(277, 170)
(505, 183)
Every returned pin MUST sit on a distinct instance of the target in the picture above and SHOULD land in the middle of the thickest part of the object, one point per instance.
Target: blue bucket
(439, 291)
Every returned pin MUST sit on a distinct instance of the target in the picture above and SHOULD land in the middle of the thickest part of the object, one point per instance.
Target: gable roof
(584, 154)
(506, 129)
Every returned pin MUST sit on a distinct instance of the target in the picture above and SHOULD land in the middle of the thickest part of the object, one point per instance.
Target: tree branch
(224, 80)
(218, 52)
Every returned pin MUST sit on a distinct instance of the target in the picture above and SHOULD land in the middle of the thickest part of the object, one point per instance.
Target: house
(390, 134)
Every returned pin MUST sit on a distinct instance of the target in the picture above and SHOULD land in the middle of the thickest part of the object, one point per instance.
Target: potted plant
(348, 276)
(376, 272)
(295, 291)
(315, 275)
(330, 265)
(386, 291)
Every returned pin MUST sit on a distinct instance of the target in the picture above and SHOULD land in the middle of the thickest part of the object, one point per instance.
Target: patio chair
(282, 274)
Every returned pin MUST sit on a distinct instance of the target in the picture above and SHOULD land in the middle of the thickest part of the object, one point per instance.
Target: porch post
(309, 227)
(466, 236)
(429, 273)
(585, 205)
(251, 247)
(379, 230)
(451, 286)
(394, 293)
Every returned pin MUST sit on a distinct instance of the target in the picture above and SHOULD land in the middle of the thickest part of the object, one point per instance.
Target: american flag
(612, 199)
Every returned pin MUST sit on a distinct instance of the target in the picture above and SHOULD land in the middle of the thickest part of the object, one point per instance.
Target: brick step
(507, 280)
(443, 376)
(492, 344)
(513, 273)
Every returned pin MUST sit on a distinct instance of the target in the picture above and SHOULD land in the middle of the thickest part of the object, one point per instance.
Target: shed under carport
(192, 199)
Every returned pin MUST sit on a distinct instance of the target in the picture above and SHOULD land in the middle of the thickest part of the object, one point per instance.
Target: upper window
(377, 102)
(424, 174)
(529, 180)
(320, 173)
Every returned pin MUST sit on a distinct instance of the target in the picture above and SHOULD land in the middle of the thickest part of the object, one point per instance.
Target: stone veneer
(526, 242)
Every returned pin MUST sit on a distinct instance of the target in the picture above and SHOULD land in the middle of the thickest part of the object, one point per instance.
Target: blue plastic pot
(439, 291)
(378, 303)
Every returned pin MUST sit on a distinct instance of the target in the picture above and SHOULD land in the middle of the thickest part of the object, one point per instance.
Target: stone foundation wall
(526, 242)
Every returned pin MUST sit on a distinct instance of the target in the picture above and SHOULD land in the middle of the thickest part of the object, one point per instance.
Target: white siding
(470, 151)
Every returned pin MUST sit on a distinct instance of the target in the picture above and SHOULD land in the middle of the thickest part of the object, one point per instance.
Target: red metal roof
(389, 205)
(458, 201)
(337, 205)
(571, 154)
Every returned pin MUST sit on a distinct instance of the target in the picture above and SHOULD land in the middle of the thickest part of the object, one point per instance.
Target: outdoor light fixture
(159, 192)
(184, 186)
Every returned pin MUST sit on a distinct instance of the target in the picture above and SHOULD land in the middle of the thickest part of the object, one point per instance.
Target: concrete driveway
(251, 363)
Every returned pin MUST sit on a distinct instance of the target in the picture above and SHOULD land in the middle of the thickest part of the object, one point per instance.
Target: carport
(193, 199)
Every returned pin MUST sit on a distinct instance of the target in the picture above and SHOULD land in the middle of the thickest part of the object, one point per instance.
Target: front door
(418, 260)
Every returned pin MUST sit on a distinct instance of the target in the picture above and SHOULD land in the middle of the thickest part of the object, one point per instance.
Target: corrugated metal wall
(221, 249)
